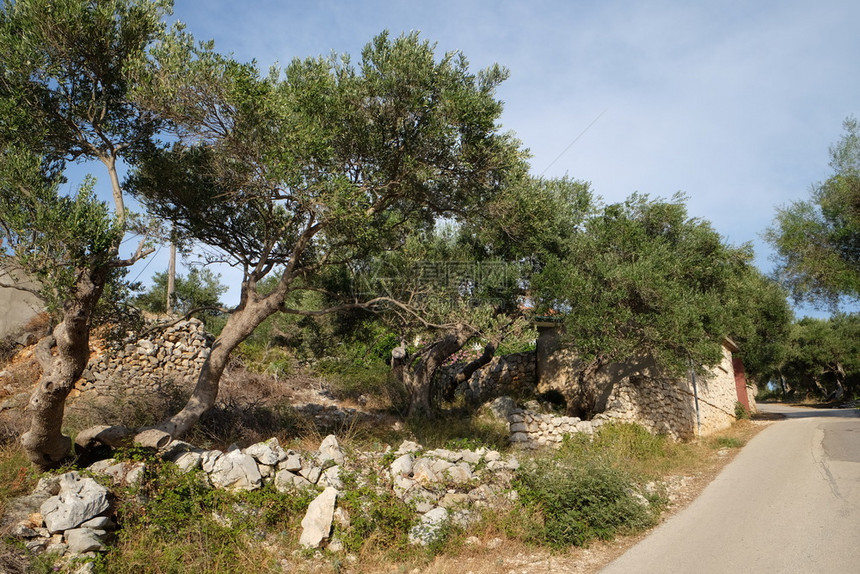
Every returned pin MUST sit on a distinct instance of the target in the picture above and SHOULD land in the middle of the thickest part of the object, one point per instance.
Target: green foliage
(578, 501)
(49, 236)
(176, 523)
(643, 278)
(67, 69)
(379, 521)
(761, 321)
(741, 411)
(823, 356)
(418, 126)
(629, 446)
(591, 487)
(818, 240)
(200, 288)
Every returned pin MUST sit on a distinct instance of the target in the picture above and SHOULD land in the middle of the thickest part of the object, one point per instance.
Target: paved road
(789, 502)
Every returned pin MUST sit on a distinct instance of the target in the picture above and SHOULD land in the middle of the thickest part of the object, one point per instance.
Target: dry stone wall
(532, 429)
(503, 375)
(145, 366)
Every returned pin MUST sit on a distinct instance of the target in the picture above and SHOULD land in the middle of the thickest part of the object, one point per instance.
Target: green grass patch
(727, 442)
(459, 432)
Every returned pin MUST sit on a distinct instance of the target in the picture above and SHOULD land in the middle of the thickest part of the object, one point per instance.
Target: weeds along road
(789, 502)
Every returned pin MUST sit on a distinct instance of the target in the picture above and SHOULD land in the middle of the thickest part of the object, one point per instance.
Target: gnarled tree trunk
(466, 372)
(417, 372)
(240, 325)
(44, 442)
(584, 400)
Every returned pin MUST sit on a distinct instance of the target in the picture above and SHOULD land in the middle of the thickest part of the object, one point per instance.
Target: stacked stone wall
(663, 406)
(505, 375)
(145, 366)
(531, 429)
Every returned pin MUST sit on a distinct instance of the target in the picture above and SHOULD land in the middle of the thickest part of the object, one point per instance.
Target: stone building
(638, 391)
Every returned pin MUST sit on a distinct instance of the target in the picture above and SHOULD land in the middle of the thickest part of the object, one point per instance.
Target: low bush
(574, 502)
(379, 521)
(174, 522)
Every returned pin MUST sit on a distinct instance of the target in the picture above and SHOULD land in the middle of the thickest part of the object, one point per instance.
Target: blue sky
(733, 103)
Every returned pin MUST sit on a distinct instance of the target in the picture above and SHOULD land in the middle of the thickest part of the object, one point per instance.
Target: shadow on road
(781, 410)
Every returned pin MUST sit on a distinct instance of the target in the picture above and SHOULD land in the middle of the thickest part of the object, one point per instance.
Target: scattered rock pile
(66, 514)
(71, 514)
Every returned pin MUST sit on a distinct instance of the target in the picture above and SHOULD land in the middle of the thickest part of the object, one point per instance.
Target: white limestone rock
(422, 471)
(460, 473)
(331, 477)
(266, 453)
(236, 471)
(286, 481)
(429, 527)
(291, 462)
(330, 450)
(80, 540)
(408, 446)
(316, 525)
(79, 499)
(402, 466)
(188, 461)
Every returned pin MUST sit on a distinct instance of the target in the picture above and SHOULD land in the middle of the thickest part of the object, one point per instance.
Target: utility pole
(171, 279)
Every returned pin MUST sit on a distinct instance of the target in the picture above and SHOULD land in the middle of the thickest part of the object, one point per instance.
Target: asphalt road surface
(789, 502)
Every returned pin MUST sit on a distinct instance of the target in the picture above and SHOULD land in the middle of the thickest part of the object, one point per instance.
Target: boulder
(188, 461)
(501, 407)
(291, 462)
(79, 499)
(80, 540)
(330, 450)
(422, 471)
(121, 473)
(265, 452)
(236, 471)
(402, 466)
(460, 473)
(331, 477)
(286, 481)
(316, 525)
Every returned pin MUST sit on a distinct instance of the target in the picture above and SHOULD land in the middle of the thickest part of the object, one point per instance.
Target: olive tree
(818, 240)
(468, 285)
(641, 278)
(303, 170)
(68, 66)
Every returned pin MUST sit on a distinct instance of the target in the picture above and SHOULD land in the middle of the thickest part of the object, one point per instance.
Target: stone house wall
(637, 391)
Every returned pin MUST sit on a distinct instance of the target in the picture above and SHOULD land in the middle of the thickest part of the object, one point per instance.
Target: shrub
(575, 502)
(174, 522)
(378, 519)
